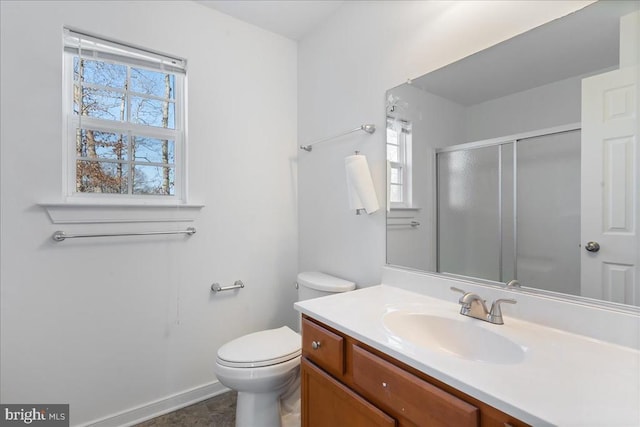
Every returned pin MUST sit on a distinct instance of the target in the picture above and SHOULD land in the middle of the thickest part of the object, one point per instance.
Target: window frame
(403, 131)
(71, 123)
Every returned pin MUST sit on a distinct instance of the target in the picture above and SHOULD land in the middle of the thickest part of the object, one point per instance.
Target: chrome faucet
(473, 305)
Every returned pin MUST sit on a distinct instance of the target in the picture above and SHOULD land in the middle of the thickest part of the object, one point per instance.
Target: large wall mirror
(522, 162)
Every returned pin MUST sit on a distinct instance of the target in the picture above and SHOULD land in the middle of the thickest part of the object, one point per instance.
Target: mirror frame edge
(540, 293)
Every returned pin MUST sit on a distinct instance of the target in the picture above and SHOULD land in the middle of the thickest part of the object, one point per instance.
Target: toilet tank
(313, 284)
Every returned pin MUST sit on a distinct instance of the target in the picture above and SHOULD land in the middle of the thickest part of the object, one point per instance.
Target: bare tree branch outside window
(117, 161)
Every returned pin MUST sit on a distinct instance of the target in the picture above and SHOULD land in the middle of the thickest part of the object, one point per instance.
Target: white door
(610, 213)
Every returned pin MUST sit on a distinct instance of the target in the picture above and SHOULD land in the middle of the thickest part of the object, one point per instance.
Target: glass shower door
(548, 212)
(469, 227)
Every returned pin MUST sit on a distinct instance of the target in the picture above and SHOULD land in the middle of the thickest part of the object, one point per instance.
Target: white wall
(109, 325)
(344, 69)
(543, 107)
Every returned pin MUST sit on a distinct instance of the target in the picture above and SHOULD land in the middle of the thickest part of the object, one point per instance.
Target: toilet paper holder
(236, 285)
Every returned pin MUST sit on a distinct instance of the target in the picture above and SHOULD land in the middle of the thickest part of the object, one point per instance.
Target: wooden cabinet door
(328, 403)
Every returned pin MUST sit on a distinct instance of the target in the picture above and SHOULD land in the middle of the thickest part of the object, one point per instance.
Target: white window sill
(88, 212)
(404, 209)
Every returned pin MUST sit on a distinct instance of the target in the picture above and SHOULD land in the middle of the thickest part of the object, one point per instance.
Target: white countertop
(565, 379)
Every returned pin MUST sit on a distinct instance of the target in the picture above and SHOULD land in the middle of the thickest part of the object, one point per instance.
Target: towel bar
(412, 223)
(60, 236)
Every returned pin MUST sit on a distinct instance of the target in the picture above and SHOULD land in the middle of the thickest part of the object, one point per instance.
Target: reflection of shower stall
(510, 209)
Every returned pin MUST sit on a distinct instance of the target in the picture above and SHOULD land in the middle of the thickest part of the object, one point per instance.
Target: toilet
(264, 367)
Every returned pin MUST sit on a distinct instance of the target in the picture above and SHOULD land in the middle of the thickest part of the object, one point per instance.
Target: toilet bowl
(263, 367)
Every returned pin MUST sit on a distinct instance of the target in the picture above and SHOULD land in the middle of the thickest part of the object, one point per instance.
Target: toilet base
(279, 408)
(258, 409)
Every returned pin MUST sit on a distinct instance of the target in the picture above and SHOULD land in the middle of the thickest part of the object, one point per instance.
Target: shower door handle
(592, 246)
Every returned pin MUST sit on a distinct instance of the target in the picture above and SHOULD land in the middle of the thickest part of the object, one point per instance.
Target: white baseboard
(160, 407)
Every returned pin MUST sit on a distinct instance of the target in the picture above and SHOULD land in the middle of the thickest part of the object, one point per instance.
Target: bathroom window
(399, 161)
(124, 121)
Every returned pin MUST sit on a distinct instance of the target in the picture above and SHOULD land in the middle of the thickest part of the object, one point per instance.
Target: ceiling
(291, 18)
(581, 43)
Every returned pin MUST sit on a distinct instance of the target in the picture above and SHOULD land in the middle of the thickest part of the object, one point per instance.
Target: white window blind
(90, 46)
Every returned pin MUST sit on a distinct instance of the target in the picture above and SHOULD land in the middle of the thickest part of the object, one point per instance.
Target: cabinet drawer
(402, 394)
(323, 347)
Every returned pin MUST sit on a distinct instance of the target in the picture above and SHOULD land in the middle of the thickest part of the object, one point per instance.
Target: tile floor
(219, 411)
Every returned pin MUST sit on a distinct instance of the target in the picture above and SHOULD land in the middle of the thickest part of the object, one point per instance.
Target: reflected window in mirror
(399, 162)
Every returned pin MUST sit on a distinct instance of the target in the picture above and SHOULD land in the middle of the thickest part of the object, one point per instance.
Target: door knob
(592, 246)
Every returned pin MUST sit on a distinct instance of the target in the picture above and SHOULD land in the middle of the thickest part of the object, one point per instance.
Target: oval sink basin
(462, 337)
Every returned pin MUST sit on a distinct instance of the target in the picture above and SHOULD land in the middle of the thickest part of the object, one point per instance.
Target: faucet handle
(495, 315)
(513, 284)
(463, 292)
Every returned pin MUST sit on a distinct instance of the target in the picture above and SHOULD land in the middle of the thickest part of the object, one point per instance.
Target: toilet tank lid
(324, 282)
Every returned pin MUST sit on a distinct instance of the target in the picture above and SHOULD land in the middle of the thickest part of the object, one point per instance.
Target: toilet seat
(264, 348)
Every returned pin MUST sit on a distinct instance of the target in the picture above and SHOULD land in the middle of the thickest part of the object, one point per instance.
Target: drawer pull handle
(384, 385)
(315, 345)
(508, 425)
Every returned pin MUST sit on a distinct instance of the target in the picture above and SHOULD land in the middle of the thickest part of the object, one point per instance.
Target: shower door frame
(500, 141)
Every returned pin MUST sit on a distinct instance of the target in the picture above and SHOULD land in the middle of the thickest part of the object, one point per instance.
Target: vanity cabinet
(347, 383)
